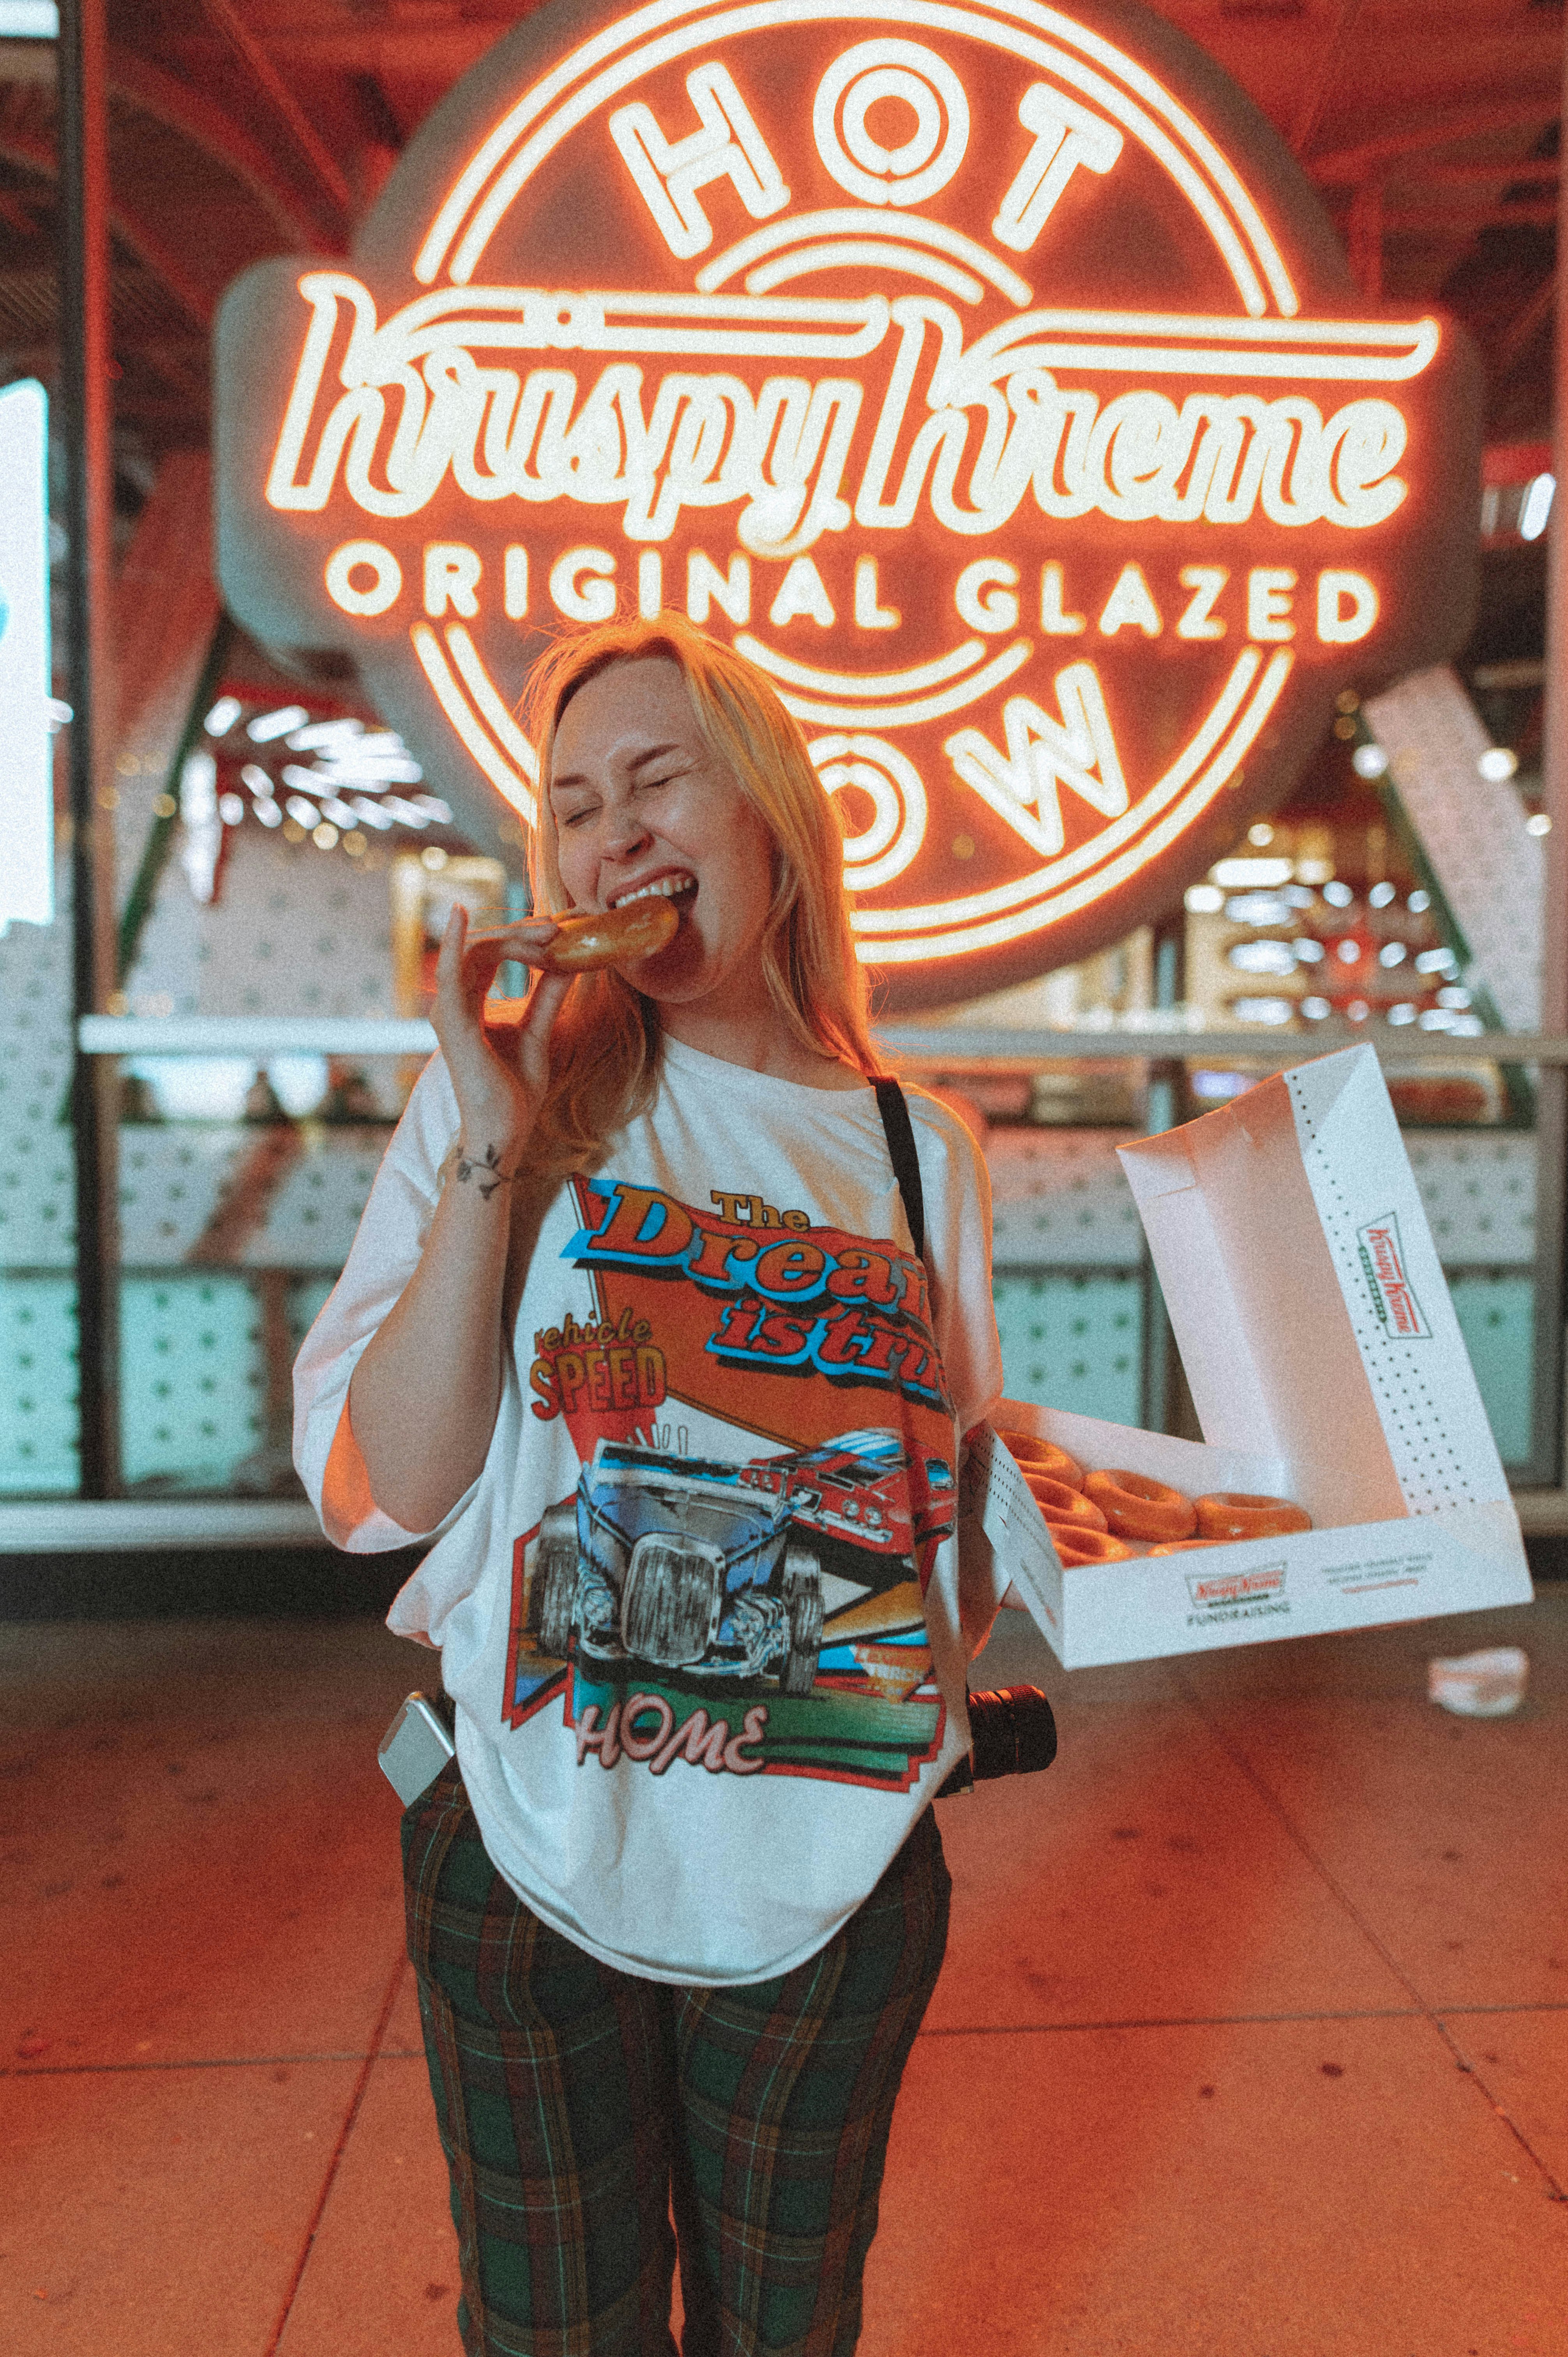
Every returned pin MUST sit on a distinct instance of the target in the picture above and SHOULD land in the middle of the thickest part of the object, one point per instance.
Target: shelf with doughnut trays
(1347, 1476)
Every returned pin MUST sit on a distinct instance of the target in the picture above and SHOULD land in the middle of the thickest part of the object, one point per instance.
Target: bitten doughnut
(1058, 1504)
(1043, 1456)
(1237, 1514)
(606, 936)
(1138, 1508)
(1078, 1542)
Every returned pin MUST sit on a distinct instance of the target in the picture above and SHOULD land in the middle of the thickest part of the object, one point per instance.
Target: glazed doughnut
(1058, 1504)
(1138, 1508)
(1079, 1542)
(1043, 1456)
(606, 936)
(1237, 1514)
(1183, 1546)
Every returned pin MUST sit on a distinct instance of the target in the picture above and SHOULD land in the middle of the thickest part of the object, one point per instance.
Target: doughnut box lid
(1326, 1366)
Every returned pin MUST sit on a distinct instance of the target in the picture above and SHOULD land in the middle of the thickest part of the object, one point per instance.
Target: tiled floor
(1253, 2039)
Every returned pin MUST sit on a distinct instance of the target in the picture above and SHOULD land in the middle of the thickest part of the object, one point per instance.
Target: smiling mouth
(662, 888)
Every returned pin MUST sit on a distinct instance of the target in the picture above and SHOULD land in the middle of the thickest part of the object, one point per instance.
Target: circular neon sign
(996, 388)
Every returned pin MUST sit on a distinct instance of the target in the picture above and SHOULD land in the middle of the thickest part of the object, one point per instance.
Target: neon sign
(996, 387)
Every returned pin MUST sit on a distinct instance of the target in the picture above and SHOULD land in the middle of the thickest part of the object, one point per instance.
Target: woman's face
(640, 805)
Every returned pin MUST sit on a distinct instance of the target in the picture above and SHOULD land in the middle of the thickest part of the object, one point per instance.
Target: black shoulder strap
(901, 1152)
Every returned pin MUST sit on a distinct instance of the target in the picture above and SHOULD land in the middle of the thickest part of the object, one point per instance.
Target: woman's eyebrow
(656, 753)
(560, 783)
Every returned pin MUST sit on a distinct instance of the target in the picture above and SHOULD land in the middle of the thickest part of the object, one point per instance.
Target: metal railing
(946, 1046)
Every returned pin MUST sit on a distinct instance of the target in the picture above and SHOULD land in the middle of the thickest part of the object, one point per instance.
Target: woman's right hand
(498, 1096)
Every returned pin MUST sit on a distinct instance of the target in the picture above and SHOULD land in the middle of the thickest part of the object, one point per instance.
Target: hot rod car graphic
(717, 1569)
(853, 1492)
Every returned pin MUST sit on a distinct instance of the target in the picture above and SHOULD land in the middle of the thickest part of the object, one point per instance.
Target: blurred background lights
(1262, 1010)
(268, 725)
(1238, 873)
(1263, 957)
(214, 1088)
(1537, 506)
(1381, 895)
(342, 785)
(1497, 763)
(1538, 823)
(195, 1088)
(1370, 761)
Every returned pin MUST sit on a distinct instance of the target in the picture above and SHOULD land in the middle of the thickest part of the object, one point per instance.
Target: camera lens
(1012, 1733)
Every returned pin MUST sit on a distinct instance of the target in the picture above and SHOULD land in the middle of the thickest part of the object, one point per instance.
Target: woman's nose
(624, 832)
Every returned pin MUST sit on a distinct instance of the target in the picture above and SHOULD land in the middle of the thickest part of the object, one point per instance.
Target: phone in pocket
(414, 1748)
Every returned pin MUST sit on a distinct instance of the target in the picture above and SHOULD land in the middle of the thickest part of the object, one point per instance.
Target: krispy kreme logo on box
(1393, 1298)
(988, 375)
(1236, 1594)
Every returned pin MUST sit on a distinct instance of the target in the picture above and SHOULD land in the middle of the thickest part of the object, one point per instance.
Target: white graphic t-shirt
(699, 1614)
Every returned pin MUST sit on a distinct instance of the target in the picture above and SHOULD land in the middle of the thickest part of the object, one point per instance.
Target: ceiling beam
(1330, 54)
(1523, 331)
(182, 108)
(37, 155)
(223, 16)
(1464, 221)
(1350, 164)
(1457, 176)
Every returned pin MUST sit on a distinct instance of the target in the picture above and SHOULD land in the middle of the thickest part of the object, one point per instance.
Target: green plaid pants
(579, 2105)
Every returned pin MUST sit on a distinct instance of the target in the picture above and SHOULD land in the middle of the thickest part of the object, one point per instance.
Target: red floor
(1253, 2039)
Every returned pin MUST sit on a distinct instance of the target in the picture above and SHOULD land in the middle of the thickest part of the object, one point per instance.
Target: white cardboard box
(1326, 1366)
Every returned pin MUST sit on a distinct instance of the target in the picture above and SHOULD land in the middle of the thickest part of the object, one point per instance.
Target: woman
(635, 1336)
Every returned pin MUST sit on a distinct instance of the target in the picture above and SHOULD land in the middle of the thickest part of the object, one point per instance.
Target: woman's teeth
(663, 887)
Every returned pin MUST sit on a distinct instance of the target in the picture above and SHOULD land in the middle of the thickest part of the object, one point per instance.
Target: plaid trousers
(579, 2105)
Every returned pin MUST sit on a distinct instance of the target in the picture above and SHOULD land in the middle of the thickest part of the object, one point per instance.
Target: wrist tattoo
(487, 1174)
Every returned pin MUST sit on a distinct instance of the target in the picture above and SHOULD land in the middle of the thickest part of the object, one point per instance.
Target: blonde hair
(605, 1049)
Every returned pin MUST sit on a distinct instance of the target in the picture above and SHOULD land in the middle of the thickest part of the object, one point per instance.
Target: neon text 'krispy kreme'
(970, 432)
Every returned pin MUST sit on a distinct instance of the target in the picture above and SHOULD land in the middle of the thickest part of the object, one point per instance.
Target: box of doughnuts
(1347, 1475)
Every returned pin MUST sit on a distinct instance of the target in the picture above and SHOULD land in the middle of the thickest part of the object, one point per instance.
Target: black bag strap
(900, 1135)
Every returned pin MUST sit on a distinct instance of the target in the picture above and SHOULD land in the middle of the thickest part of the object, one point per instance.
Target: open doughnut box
(1327, 1367)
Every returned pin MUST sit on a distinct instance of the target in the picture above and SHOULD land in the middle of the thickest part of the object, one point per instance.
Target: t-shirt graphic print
(760, 1614)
